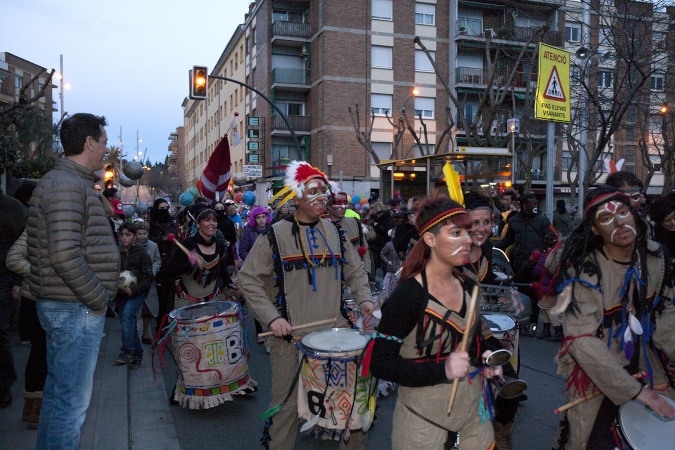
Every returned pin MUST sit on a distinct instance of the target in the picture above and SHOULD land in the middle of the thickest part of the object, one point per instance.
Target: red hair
(421, 252)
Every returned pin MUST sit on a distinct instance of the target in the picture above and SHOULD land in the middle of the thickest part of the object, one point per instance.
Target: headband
(440, 218)
(637, 189)
(204, 211)
(602, 199)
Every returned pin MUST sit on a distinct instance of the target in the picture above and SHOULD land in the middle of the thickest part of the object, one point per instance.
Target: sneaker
(124, 358)
(136, 362)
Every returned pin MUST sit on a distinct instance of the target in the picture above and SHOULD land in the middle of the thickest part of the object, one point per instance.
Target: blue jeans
(130, 341)
(73, 340)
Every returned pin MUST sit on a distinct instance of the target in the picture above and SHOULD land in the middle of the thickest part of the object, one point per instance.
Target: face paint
(615, 217)
(458, 245)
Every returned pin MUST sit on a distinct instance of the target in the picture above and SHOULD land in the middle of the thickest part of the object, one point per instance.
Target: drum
(505, 329)
(639, 428)
(210, 351)
(367, 324)
(331, 395)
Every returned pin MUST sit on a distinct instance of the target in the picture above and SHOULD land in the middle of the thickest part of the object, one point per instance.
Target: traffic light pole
(283, 116)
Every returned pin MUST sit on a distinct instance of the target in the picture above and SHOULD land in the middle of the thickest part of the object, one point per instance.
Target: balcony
(466, 26)
(475, 76)
(301, 125)
(290, 79)
(291, 31)
(538, 175)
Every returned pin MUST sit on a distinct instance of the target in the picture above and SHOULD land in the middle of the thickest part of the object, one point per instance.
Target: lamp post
(62, 86)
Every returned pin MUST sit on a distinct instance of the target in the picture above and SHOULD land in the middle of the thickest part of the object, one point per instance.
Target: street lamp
(62, 86)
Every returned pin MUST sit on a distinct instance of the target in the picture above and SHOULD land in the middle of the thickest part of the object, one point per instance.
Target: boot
(545, 332)
(503, 435)
(35, 413)
(27, 405)
(558, 334)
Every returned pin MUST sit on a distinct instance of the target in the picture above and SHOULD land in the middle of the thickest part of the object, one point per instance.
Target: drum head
(204, 309)
(499, 322)
(498, 358)
(335, 340)
(513, 389)
(643, 428)
(501, 262)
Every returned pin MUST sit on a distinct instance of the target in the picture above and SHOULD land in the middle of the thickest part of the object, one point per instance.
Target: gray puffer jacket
(71, 248)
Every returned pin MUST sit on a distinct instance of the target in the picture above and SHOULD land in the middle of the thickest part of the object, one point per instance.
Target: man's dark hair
(109, 193)
(519, 188)
(528, 199)
(473, 200)
(75, 129)
(24, 192)
(510, 193)
(622, 178)
(199, 200)
(130, 227)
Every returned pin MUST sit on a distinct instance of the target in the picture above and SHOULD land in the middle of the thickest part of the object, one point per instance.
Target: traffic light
(199, 81)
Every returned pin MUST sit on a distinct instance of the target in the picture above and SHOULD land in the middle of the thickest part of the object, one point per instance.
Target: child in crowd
(129, 298)
(150, 308)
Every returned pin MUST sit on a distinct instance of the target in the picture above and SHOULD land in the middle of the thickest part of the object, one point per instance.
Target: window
(291, 108)
(659, 40)
(286, 16)
(425, 107)
(424, 13)
(18, 82)
(605, 36)
(629, 156)
(380, 57)
(382, 9)
(573, 32)
(575, 75)
(567, 161)
(422, 63)
(657, 82)
(382, 149)
(605, 79)
(630, 134)
(380, 104)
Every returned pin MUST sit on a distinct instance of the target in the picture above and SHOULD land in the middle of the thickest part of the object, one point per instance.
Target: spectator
(227, 228)
(392, 263)
(663, 215)
(508, 199)
(111, 194)
(12, 221)
(23, 194)
(74, 271)
(561, 219)
(282, 212)
(258, 221)
(150, 308)
(406, 233)
(130, 298)
(382, 222)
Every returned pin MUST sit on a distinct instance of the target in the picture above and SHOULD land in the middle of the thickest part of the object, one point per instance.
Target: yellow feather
(454, 186)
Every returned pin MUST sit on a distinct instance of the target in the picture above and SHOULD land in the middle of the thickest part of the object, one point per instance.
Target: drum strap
(450, 432)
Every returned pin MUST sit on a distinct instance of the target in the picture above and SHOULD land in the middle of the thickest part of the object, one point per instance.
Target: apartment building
(15, 73)
(176, 161)
(206, 122)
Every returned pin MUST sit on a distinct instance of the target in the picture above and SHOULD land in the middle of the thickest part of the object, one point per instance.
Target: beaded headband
(603, 199)
(440, 218)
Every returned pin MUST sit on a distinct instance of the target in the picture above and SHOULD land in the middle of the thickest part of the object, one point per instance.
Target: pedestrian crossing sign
(553, 85)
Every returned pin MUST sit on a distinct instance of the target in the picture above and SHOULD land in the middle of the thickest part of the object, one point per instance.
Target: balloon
(238, 196)
(194, 191)
(133, 169)
(200, 188)
(349, 198)
(249, 198)
(126, 181)
(128, 211)
(239, 179)
(186, 199)
(141, 208)
(358, 207)
(363, 201)
(356, 199)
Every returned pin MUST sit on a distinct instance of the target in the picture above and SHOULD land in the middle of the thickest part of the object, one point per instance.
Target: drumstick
(465, 340)
(588, 397)
(299, 327)
(191, 257)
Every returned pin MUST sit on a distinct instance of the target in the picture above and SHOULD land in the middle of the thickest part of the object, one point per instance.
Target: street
(130, 410)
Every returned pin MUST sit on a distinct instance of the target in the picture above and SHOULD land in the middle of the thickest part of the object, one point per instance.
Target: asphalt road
(236, 424)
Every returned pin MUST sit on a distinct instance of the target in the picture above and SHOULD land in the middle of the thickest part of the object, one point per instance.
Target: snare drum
(638, 428)
(504, 328)
(366, 324)
(329, 386)
(210, 350)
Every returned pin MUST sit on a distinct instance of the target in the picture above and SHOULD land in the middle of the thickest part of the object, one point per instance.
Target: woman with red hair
(416, 343)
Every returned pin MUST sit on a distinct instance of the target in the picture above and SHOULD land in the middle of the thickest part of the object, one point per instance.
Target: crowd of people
(601, 281)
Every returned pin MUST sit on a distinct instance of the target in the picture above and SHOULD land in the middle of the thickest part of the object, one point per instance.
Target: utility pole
(583, 122)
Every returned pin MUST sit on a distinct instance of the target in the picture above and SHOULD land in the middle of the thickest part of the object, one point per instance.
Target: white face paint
(615, 223)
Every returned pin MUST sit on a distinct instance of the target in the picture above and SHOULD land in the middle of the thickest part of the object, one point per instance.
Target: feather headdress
(298, 173)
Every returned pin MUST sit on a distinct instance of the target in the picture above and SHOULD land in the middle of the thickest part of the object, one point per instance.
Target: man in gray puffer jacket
(74, 272)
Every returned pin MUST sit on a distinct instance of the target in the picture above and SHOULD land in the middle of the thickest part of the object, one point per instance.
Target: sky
(125, 60)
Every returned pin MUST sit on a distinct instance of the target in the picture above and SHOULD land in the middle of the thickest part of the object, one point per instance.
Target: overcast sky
(126, 60)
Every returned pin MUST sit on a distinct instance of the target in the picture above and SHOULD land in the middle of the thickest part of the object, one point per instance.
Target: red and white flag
(236, 140)
(217, 172)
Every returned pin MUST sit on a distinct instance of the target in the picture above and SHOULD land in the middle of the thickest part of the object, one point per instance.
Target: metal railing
(475, 27)
(472, 75)
(299, 123)
(291, 29)
(290, 76)
(469, 27)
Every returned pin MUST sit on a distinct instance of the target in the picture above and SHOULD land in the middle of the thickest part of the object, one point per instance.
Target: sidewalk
(128, 409)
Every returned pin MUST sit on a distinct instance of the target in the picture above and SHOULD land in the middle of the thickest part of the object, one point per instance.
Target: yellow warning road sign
(553, 85)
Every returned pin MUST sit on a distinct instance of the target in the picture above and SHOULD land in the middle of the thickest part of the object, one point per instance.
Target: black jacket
(382, 222)
(527, 235)
(138, 261)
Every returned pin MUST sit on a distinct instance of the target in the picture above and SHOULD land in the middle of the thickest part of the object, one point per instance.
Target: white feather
(310, 423)
(635, 325)
(367, 420)
(627, 335)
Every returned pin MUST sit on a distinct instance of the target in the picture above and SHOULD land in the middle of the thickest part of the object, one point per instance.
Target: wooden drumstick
(191, 257)
(465, 340)
(299, 327)
(588, 397)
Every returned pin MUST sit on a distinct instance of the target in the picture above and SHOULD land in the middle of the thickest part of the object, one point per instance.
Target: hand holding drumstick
(193, 257)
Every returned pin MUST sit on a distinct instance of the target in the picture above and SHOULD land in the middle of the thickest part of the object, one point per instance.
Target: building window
(424, 106)
(425, 14)
(380, 57)
(575, 75)
(567, 161)
(605, 36)
(18, 82)
(629, 156)
(422, 63)
(605, 79)
(382, 149)
(573, 32)
(630, 134)
(291, 108)
(380, 104)
(659, 40)
(382, 9)
(286, 16)
(657, 82)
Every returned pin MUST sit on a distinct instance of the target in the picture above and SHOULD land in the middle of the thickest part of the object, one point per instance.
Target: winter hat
(256, 212)
(117, 207)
